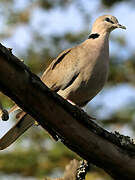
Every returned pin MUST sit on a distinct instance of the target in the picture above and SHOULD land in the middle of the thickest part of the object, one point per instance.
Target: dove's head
(106, 23)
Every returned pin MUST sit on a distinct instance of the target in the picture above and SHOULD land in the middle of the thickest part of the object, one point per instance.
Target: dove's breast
(91, 79)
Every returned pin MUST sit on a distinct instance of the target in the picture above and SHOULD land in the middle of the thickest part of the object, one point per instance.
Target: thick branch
(112, 152)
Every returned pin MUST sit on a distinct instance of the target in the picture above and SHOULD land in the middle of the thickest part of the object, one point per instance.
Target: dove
(78, 74)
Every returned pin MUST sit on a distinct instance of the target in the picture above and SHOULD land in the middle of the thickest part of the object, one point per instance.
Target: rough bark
(112, 152)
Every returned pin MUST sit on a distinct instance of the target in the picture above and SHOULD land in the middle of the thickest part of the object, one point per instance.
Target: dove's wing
(62, 72)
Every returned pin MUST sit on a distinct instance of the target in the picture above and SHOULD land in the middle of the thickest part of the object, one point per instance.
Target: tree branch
(112, 152)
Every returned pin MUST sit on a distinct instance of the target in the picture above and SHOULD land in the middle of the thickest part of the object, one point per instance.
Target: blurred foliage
(35, 154)
(31, 162)
(110, 3)
(122, 72)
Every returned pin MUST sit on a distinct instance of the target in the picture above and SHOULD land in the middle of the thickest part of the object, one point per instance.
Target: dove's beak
(120, 26)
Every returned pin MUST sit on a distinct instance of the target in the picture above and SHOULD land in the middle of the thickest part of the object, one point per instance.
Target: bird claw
(79, 108)
(36, 123)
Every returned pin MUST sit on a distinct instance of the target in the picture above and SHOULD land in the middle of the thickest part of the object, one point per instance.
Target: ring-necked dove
(77, 74)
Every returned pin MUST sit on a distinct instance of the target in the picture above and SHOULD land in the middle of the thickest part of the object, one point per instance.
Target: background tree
(38, 31)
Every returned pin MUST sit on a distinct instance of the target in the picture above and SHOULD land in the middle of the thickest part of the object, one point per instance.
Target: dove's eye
(109, 20)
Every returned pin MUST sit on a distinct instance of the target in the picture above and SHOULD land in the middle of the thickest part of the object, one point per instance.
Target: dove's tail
(25, 122)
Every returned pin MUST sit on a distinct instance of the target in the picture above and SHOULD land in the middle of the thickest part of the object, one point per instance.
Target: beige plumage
(77, 74)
